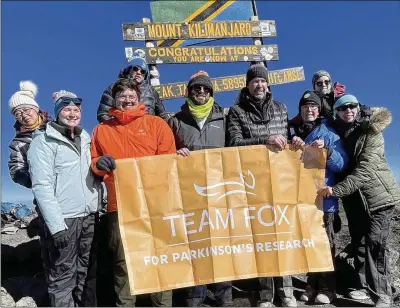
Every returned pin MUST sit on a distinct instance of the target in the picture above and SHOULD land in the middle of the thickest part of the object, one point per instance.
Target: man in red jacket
(130, 133)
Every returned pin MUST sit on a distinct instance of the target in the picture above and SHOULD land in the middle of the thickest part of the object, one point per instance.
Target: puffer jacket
(18, 147)
(148, 96)
(371, 176)
(62, 181)
(189, 135)
(336, 162)
(247, 125)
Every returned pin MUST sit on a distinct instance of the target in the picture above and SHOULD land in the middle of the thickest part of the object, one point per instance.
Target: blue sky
(78, 46)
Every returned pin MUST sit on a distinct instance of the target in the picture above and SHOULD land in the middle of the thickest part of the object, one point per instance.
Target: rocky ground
(23, 283)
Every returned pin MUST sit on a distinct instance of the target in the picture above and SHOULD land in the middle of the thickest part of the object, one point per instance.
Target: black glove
(106, 163)
(61, 239)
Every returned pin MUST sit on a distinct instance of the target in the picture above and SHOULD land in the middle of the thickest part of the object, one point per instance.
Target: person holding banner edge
(129, 133)
(315, 131)
(258, 119)
(370, 177)
(201, 124)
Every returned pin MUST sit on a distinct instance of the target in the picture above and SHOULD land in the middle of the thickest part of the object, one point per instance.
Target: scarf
(34, 125)
(127, 116)
(200, 111)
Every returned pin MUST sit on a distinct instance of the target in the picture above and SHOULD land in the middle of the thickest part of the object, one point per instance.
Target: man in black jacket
(137, 70)
(258, 119)
(200, 125)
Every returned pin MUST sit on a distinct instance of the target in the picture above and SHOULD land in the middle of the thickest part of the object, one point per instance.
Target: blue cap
(345, 99)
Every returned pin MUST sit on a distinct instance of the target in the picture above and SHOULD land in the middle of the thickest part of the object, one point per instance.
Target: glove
(106, 163)
(338, 89)
(61, 239)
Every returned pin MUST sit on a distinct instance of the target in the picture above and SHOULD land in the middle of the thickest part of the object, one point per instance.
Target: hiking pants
(371, 254)
(194, 296)
(66, 269)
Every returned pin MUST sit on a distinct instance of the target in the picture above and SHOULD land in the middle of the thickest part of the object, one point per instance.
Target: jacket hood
(139, 62)
(380, 119)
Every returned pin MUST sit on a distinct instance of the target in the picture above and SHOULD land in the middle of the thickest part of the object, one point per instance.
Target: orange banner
(221, 215)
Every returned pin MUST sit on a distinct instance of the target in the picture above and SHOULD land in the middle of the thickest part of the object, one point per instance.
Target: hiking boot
(325, 297)
(359, 295)
(265, 304)
(308, 295)
(289, 301)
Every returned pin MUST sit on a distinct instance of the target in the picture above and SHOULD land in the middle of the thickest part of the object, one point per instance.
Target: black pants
(194, 296)
(369, 237)
(120, 271)
(67, 269)
(326, 281)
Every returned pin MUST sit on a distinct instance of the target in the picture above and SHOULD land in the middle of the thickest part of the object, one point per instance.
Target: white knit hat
(25, 97)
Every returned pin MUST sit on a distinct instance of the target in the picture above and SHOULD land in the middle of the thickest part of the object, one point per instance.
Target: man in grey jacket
(67, 194)
(201, 124)
(137, 70)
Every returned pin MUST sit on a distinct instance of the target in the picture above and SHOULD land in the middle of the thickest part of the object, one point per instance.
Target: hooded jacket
(18, 147)
(144, 136)
(148, 95)
(189, 135)
(62, 181)
(371, 176)
(248, 125)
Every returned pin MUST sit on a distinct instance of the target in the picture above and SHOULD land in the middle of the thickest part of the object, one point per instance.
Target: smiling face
(26, 116)
(70, 116)
(347, 112)
(309, 112)
(199, 94)
(127, 99)
(258, 88)
(323, 85)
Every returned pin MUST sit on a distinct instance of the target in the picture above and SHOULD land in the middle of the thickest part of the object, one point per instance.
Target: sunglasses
(198, 89)
(320, 83)
(68, 101)
(137, 69)
(345, 107)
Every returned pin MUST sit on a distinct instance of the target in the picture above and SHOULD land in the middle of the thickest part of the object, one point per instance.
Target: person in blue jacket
(67, 195)
(315, 131)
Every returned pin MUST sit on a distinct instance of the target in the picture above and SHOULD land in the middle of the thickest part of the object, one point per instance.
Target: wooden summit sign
(208, 54)
(198, 30)
(232, 83)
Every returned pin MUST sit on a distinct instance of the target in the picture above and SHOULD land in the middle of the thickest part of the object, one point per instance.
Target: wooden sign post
(172, 31)
(200, 54)
(198, 30)
(232, 83)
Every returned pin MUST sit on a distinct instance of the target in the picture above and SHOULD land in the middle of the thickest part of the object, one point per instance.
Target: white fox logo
(201, 190)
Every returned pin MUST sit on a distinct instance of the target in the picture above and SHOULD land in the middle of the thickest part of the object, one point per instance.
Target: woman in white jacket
(67, 194)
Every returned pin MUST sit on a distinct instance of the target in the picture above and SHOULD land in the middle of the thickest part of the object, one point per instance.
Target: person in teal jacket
(67, 194)
(315, 131)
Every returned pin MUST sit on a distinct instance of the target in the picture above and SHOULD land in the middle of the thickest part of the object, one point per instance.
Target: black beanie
(310, 97)
(256, 70)
(201, 79)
